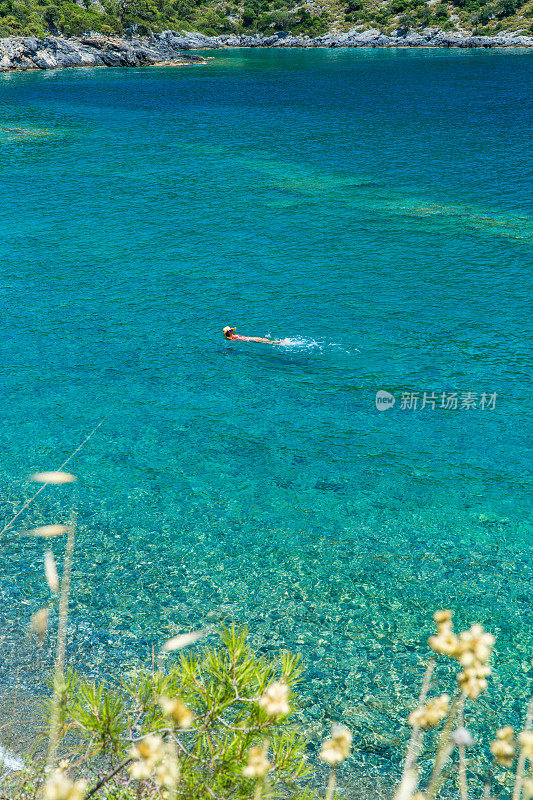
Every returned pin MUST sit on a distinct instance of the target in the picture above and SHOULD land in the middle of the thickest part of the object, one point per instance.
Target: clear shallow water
(373, 210)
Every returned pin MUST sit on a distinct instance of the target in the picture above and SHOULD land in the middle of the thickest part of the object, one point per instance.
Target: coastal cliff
(429, 37)
(53, 52)
(170, 47)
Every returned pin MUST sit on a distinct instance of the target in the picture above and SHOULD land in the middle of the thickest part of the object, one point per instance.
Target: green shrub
(33, 16)
(209, 21)
(281, 19)
(397, 6)
(484, 15)
(249, 17)
(506, 8)
(407, 21)
(423, 16)
(441, 12)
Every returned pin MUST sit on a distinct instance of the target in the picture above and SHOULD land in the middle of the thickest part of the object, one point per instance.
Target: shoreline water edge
(26, 53)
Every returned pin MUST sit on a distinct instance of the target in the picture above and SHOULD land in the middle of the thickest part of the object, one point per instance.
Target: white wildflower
(462, 737)
(257, 765)
(167, 772)
(336, 749)
(177, 711)
(59, 787)
(526, 744)
(50, 571)
(275, 699)
(56, 477)
(429, 715)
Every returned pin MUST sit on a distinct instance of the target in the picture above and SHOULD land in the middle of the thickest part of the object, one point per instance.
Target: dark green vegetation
(120, 17)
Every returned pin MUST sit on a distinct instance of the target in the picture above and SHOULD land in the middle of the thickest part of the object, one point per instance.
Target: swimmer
(229, 333)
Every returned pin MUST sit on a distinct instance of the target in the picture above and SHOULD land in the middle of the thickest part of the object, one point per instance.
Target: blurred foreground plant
(216, 725)
(193, 727)
(472, 649)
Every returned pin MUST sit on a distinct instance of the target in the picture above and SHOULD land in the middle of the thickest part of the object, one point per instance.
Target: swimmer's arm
(259, 339)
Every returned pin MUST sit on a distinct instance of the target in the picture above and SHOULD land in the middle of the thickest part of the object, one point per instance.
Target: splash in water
(9, 761)
(301, 344)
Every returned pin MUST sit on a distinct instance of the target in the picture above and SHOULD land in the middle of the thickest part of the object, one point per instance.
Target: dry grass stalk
(444, 749)
(43, 487)
(463, 786)
(519, 776)
(59, 667)
(417, 734)
(332, 781)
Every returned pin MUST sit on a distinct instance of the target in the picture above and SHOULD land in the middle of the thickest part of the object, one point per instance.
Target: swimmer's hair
(227, 331)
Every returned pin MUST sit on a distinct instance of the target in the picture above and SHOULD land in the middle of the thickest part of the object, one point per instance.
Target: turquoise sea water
(373, 209)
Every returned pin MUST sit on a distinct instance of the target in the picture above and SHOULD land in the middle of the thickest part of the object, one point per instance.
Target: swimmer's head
(227, 331)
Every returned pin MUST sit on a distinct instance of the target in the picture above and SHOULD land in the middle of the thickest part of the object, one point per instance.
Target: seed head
(39, 623)
(257, 765)
(145, 754)
(442, 616)
(140, 770)
(429, 715)
(177, 711)
(526, 744)
(183, 640)
(503, 751)
(49, 531)
(50, 571)
(167, 773)
(337, 748)
(473, 680)
(53, 477)
(475, 646)
(528, 787)
(59, 787)
(275, 700)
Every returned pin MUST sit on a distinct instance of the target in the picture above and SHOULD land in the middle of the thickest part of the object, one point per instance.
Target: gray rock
(23, 53)
(43, 60)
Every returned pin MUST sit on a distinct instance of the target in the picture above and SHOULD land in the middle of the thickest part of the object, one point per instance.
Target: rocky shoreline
(170, 47)
(430, 37)
(28, 53)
